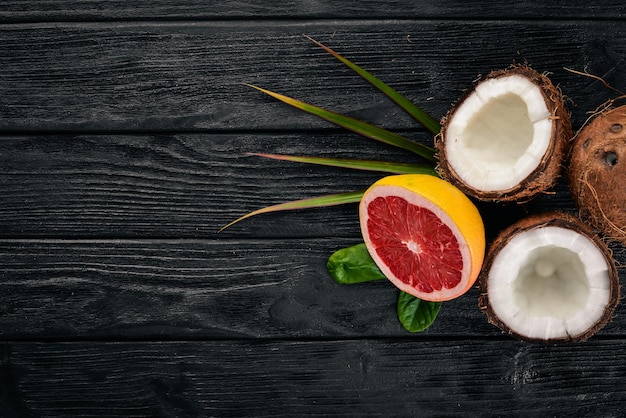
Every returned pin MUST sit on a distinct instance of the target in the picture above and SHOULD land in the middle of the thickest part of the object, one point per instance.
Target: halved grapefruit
(424, 234)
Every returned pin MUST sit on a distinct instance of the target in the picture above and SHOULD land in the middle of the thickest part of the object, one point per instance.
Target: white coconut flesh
(549, 283)
(498, 135)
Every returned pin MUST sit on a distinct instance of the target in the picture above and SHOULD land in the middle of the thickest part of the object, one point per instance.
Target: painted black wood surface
(123, 133)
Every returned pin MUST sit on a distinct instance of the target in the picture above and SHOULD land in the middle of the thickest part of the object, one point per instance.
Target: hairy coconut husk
(547, 171)
(597, 173)
(557, 219)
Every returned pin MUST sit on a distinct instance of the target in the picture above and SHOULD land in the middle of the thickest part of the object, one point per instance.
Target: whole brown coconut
(549, 278)
(505, 140)
(597, 173)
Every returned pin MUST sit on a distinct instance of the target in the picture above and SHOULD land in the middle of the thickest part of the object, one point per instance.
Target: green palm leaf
(359, 127)
(369, 165)
(313, 202)
(414, 111)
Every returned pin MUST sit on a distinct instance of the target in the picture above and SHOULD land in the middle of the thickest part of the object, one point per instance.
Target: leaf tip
(228, 225)
(310, 38)
(251, 86)
(321, 45)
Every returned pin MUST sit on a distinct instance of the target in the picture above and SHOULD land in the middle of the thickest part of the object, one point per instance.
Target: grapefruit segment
(424, 234)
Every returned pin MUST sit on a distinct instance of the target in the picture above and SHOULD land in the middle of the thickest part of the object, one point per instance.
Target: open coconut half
(597, 173)
(549, 278)
(505, 139)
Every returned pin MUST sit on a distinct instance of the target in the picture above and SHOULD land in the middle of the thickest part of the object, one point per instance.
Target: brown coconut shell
(548, 170)
(597, 173)
(558, 219)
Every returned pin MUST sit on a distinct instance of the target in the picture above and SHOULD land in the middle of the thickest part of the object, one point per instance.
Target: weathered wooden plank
(187, 75)
(22, 10)
(314, 378)
(181, 289)
(170, 289)
(176, 185)
(111, 237)
(191, 185)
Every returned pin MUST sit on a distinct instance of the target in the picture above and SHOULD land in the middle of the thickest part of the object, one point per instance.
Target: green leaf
(353, 265)
(384, 166)
(415, 314)
(414, 111)
(313, 202)
(354, 125)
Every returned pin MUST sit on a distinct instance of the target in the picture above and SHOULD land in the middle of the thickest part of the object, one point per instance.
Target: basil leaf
(353, 265)
(415, 314)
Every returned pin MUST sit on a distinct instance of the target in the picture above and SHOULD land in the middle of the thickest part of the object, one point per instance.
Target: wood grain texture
(199, 289)
(123, 133)
(29, 10)
(190, 185)
(125, 289)
(315, 378)
(186, 76)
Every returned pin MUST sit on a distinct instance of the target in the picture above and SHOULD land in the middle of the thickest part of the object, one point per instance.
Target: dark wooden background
(123, 132)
